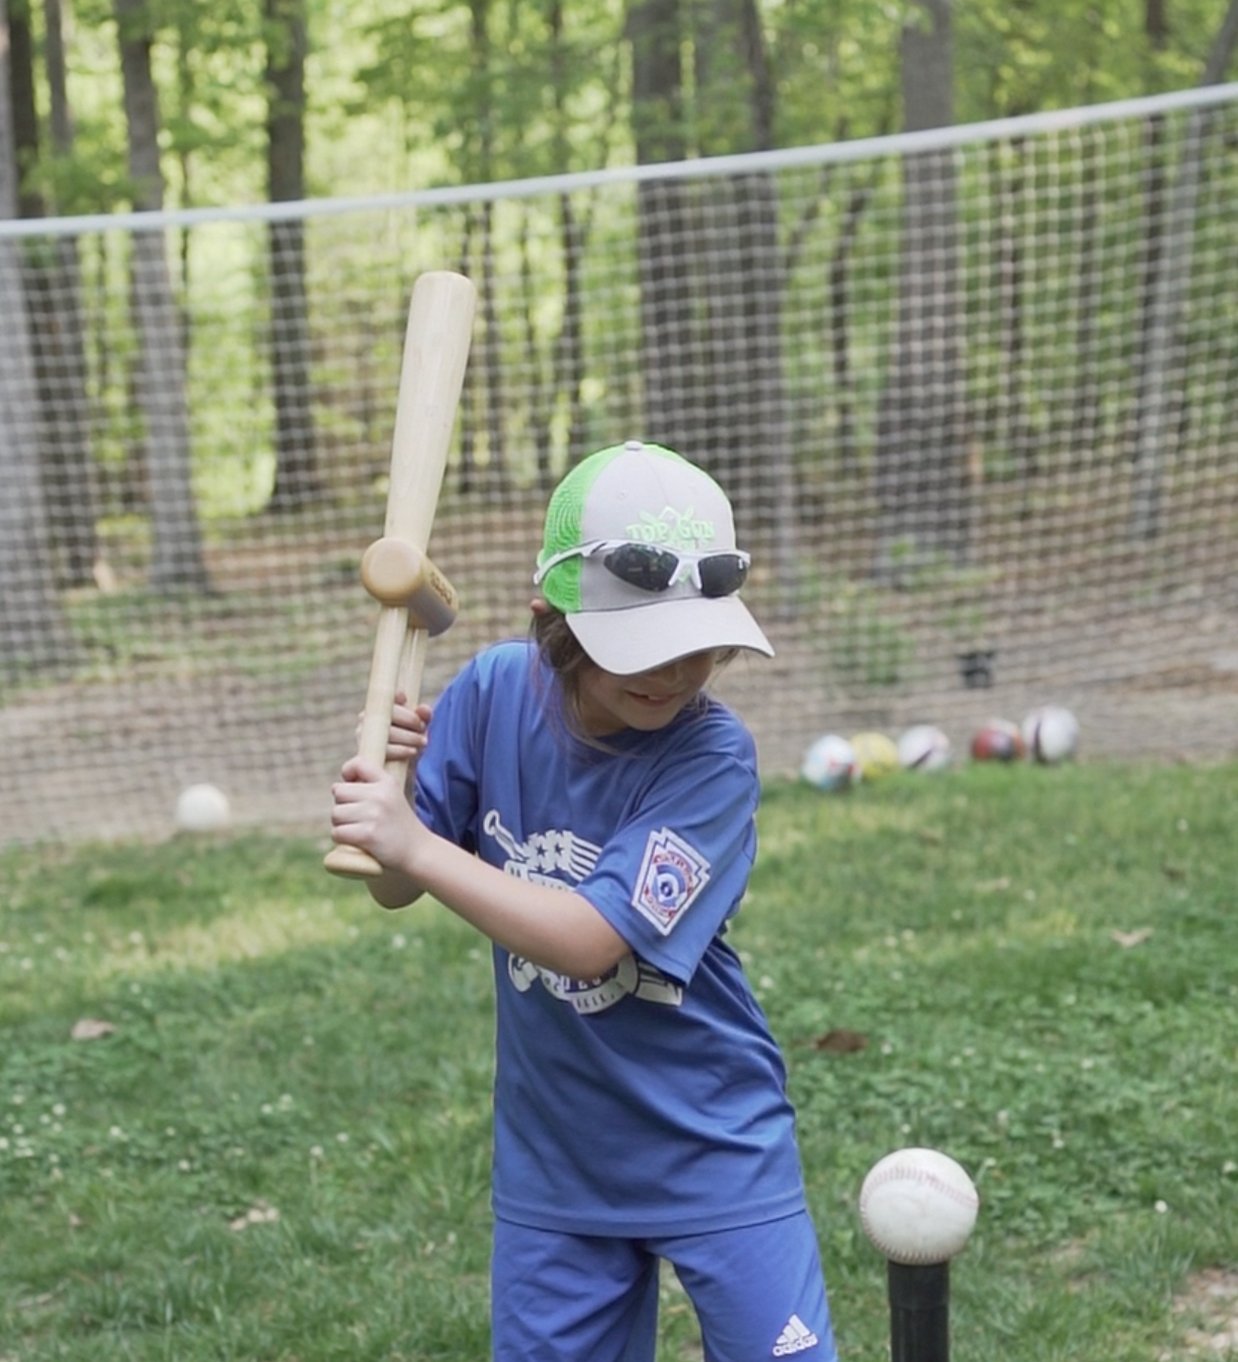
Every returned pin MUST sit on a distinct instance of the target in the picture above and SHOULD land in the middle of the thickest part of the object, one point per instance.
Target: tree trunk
(492, 361)
(569, 360)
(711, 272)
(176, 553)
(25, 118)
(1156, 420)
(297, 479)
(1009, 193)
(921, 457)
(467, 467)
(32, 628)
(53, 308)
(747, 408)
(654, 30)
(1082, 432)
(840, 327)
(488, 347)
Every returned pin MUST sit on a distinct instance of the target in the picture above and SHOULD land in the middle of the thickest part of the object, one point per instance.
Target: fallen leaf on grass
(90, 1028)
(841, 1042)
(1128, 939)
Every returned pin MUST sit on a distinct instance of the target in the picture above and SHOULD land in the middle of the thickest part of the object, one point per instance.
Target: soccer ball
(875, 754)
(1051, 734)
(923, 748)
(202, 808)
(829, 763)
(998, 740)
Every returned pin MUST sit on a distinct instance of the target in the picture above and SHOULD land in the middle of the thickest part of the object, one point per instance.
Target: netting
(970, 391)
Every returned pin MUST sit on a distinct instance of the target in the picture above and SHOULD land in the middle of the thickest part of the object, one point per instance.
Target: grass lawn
(244, 1114)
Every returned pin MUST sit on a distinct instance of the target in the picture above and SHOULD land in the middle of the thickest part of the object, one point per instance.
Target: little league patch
(672, 874)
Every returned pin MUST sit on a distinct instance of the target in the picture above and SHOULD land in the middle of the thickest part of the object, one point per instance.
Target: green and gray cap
(639, 494)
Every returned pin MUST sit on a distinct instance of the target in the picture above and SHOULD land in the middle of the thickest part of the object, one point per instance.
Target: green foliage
(870, 645)
(406, 96)
(280, 1149)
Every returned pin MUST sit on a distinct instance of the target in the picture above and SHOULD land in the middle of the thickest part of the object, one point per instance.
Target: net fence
(970, 390)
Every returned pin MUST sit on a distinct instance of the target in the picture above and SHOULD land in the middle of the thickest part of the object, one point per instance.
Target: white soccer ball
(918, 1206)
(1051, 734)
(202, 808)
(829, 763)
(923, 748)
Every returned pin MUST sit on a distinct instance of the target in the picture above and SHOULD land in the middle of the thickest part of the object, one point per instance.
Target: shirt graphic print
(536, 858)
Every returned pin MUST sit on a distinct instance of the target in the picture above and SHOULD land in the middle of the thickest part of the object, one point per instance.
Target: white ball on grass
(202, 808)
(1051, 734)
(829, 763)
(918, 1206)
(923, 747)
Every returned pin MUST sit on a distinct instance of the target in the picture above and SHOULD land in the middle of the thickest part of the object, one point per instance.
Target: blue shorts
(758, 1293)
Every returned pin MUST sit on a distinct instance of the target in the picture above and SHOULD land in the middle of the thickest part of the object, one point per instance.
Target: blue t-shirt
(653, 1099)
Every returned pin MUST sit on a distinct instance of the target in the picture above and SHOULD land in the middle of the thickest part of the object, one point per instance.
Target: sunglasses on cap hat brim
(650, 567)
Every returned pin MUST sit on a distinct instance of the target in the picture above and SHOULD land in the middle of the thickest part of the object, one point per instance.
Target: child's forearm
(393, 889)
(555, 928)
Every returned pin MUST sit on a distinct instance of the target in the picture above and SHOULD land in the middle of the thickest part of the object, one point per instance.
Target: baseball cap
(639, 554)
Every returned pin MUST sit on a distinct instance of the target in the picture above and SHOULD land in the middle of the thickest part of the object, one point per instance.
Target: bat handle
(399, 660)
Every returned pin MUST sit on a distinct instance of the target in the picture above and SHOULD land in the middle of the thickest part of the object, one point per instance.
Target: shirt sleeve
(445, 796)
(677, 867)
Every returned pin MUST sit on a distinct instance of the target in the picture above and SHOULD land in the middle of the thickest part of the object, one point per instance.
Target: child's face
(647, 700)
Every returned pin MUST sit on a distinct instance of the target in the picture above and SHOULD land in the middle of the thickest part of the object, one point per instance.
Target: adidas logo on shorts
(797, 1337)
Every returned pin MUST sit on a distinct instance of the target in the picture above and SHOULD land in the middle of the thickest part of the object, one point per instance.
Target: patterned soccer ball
(998, 740)
(875, 754)
(923, 747)
(829, 763)
(1051, 734)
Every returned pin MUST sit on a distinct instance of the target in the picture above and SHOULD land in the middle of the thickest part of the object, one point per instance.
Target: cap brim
(647, 636)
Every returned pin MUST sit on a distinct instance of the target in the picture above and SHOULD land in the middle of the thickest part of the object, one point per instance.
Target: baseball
(918, 1206)
(202, 808)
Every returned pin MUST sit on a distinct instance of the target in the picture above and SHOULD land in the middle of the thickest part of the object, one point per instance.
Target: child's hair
(568, 661)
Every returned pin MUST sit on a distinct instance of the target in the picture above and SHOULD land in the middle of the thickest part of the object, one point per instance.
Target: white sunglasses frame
(594, 546)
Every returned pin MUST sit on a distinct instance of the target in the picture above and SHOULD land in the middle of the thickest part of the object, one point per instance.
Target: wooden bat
(415, 599)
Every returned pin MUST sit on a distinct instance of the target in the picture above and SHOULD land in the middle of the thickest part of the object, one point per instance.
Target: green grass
(281, 1151)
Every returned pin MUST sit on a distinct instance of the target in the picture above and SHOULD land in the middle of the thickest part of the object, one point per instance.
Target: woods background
(966, 365)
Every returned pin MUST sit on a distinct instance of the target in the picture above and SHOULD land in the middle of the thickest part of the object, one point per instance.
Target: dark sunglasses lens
(643, 566)
(722, 574)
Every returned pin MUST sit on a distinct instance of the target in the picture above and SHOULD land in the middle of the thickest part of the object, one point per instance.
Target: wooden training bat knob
(352, 863)
(396, 573)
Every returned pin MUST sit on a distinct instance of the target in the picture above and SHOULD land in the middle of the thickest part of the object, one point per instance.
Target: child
(584, 804)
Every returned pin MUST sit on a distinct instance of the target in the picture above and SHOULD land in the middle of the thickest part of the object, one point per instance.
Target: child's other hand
(409, 731)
